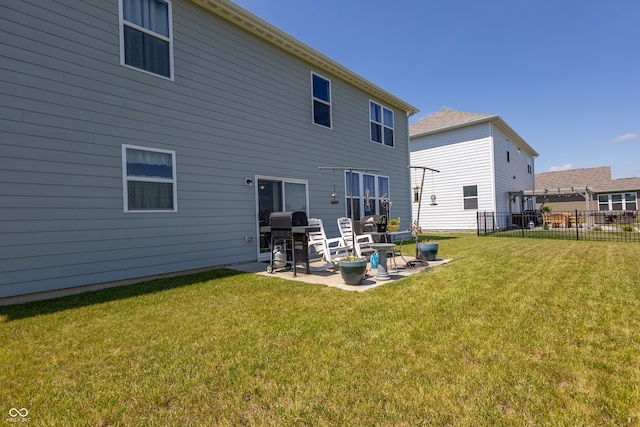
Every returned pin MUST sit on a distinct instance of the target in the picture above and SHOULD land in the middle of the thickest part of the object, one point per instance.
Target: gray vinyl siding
(238, 107)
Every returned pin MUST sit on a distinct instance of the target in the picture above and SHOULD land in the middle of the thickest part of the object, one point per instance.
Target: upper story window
(381, 124)
(145, 36)
(507, 145)
(618, 202)
(321, 92)
(529, 165)
(470, 196)
(149, 179)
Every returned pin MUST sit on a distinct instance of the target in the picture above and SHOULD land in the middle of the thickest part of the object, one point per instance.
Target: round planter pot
(353, 272)
(428, 250)
(393, 227)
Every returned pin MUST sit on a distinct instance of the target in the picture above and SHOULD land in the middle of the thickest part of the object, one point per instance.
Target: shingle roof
(445, 119)
(597, 179)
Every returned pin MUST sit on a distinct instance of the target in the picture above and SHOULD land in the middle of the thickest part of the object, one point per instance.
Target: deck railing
(573, 225)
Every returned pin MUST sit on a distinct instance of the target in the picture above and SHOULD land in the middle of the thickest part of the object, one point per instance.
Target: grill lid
(286, 220)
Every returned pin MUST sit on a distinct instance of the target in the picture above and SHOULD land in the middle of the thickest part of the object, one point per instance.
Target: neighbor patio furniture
(560, 220)
(362, 241)
(575, 221)
(329, 249)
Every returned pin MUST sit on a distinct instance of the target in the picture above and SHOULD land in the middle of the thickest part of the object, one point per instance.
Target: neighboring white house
(483, 165)
(149, 137)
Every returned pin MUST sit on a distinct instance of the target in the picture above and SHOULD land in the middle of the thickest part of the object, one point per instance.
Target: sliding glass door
(278, 195)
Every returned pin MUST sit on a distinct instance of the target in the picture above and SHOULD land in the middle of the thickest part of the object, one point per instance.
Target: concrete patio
(326, 274)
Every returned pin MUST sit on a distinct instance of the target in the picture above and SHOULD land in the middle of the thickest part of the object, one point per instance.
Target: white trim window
(149, 179)
(470, 197)
(368, 191)
(321, 100)
(618, 202)
(381, 119)
(146, 41)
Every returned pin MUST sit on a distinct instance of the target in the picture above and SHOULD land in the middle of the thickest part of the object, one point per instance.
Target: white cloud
(625, 137)
(566, 167)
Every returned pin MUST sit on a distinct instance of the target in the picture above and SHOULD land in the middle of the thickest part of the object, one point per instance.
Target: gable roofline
(262, 29)
(475, 119)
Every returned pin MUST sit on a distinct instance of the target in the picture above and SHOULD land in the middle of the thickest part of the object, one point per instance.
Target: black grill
(290, 231)
(283, 223)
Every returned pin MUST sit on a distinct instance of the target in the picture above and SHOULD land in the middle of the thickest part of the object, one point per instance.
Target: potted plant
(428, 249)
(393, 224)
(352, 269)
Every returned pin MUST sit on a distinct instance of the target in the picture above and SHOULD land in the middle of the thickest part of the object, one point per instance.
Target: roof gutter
(262, 29)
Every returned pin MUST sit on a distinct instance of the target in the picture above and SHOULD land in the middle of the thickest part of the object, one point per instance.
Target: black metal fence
(571, 225)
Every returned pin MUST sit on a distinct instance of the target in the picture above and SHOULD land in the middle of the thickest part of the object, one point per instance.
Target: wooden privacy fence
(578, 225)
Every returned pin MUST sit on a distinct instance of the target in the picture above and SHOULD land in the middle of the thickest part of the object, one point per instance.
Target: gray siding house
(149, 137)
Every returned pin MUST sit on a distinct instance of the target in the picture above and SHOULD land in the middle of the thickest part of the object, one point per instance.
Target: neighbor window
(145, 37)
(149, 179)
(529, 165)
(508, 147)
(618, 202)
(470, 196)
(381, 120)
(321, 89)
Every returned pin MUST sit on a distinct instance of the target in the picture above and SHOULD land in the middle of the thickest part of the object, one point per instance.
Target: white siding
(511, 175)
(463, 157)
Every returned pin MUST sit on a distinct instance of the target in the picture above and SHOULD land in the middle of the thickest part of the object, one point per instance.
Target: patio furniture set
(294, 239)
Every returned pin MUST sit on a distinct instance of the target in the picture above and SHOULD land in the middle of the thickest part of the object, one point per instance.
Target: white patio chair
(329, 249)
(361, 248)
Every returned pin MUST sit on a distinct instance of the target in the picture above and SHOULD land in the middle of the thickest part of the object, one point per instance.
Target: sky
(565, 75)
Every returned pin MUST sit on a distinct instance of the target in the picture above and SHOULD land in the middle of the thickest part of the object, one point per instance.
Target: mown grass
(513, 332)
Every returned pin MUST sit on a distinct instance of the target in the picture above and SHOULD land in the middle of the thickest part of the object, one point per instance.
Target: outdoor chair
(329, 249)
(362, 241)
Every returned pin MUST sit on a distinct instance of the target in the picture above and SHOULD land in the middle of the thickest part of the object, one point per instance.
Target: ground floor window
(618, 202)
(470, 196)
(279, 195)
(365, 194)
(149, 179)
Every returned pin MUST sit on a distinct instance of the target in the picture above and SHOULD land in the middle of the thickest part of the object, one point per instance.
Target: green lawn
(513, 332)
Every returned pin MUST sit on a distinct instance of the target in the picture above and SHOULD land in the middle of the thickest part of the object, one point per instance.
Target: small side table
(382, 248)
